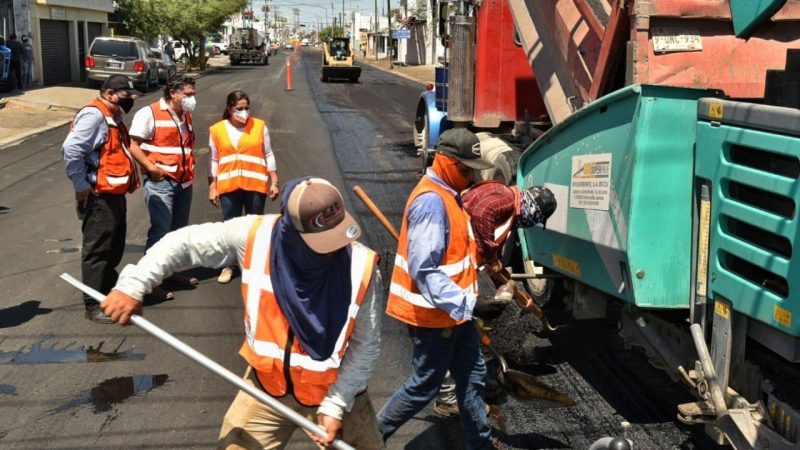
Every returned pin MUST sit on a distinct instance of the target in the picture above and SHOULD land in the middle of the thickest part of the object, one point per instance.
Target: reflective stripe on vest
(267, 329)
(406, 302)
(168, 149)
(116, 172)
(244, 166)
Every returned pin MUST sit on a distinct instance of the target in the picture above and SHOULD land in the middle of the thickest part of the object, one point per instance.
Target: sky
(311, 11)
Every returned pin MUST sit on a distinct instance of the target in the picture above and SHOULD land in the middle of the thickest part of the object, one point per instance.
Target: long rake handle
(214, 367)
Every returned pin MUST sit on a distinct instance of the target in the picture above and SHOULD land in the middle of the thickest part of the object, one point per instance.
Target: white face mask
(241, 115)
(188, 103)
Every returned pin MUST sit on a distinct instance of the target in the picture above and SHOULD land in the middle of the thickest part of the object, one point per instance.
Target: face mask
(126, 104)
(188, 103)
(241, 115)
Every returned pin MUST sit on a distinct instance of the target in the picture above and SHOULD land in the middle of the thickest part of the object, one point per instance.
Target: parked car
(121, 55)
(182, 56)
(288, 46)
(217, 47)
(166, 67)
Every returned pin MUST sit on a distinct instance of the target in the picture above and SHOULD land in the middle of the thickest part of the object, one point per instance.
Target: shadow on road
(17, 315)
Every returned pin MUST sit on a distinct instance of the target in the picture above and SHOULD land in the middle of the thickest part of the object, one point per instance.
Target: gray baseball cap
(463, 145)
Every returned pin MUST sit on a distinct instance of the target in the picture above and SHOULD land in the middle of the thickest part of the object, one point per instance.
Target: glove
(487, 308)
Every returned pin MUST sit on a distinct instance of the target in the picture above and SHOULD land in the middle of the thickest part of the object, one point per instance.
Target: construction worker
(102, 172)
(163, 139)
(495, 209)
(317, 296)
(242, 169)
(434, 290)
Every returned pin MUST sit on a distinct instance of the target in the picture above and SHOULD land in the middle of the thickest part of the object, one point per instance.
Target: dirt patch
(16, 118)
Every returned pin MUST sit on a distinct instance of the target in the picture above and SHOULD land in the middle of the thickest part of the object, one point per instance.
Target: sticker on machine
(590, 186)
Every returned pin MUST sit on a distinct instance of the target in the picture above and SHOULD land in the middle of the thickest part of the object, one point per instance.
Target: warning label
(590, 186)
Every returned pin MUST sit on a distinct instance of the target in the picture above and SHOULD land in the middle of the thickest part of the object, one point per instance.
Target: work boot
(159, 294)
(225, 276)
(445, 409)
(94, 314)
(182, 280)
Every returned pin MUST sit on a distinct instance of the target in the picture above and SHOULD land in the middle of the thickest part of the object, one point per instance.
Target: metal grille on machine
(461, 94)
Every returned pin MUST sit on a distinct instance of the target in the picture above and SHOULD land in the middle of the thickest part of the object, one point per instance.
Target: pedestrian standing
(102, 171)
(170, 51)
(16, 58)
(27, 67)
(312, 297)
(434, 291)
(242, 170)
(162, 141)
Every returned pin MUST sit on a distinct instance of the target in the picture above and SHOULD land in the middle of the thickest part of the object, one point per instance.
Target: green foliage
(327, 33)
(187, 21)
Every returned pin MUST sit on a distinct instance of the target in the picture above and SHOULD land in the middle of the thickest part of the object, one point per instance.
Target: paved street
(67, 383)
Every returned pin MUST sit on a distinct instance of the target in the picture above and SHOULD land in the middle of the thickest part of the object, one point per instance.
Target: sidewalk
(420, 74)
(26, 114)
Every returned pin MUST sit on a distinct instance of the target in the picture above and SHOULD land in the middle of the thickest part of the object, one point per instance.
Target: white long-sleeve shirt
(222, 244)
(235, 134)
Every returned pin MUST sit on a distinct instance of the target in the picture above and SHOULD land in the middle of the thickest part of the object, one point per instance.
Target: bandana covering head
(529, 213)
(312, 290)
(446, 168)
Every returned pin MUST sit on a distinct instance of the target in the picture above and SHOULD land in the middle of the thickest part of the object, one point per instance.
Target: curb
(393, 72)
(21, 137)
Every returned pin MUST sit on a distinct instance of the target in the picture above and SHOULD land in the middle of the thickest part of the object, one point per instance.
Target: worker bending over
(312, 322)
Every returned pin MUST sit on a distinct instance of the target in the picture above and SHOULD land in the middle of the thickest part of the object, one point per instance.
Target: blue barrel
(442, 74)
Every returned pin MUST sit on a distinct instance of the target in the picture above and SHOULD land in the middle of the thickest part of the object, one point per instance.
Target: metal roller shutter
(95, 30)
(55, 51)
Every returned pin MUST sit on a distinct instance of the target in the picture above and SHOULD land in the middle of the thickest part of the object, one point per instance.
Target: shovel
(520, 385)
(524, 386)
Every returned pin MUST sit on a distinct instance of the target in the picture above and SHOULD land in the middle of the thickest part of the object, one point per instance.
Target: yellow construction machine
(337, 61)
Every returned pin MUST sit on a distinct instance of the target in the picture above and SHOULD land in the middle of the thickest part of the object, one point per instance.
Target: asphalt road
(67, 383)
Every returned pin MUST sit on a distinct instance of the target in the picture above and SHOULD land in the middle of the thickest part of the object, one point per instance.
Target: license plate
(115, 65)
(674, 40)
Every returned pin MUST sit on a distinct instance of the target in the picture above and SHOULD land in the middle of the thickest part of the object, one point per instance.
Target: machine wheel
(422, 137)
(547, 290)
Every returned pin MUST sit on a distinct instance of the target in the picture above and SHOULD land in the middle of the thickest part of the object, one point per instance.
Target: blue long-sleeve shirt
(89, 132)
(428, 237)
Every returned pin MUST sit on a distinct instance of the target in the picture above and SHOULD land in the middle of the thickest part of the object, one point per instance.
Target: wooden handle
(376, 211)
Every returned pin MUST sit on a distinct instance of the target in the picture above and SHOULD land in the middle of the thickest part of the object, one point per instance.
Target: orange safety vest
(116, 173)
(406, 303)
(168, 149)
(267, 329)
(244, 166)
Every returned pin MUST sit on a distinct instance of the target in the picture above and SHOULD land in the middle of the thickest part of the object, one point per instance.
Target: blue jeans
(234, 202)
(435, 351)
(168, 204)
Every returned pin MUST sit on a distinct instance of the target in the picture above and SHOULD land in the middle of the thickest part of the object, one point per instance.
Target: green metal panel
(748, 14)
(752, 166)
(638, 248)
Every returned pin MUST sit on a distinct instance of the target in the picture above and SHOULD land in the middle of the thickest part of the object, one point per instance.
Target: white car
(218, 47)
(288, 46)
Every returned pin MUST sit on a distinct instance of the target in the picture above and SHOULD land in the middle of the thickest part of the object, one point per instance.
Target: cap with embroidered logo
(120, 83)
(317, 212)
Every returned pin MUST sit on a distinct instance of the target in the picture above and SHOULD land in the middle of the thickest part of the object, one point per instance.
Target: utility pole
(389, 25)
(375, 36)
(343, 32)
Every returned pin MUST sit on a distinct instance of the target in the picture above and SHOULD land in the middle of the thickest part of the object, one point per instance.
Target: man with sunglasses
(163, 139)
(102, 171)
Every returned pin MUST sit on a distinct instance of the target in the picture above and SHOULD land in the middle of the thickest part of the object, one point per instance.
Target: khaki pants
(250, 424)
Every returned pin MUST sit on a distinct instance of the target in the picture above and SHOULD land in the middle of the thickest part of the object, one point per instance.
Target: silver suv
(124, 56)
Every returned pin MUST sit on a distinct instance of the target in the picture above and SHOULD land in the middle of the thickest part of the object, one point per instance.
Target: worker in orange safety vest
(434, 291)
(163, 142)
(102, 171)
(312, 297)
(241, 165)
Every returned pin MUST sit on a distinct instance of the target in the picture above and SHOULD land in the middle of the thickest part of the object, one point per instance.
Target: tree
(187, 21)
(327, 33)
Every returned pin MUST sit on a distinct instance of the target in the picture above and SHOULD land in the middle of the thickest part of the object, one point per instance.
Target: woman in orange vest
(242, 169)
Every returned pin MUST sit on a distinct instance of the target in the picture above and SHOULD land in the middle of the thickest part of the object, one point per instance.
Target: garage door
(55, 51)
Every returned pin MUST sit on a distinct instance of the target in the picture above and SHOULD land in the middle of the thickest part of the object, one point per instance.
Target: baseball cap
(463, 145)
(120, 83)
(317, 212)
